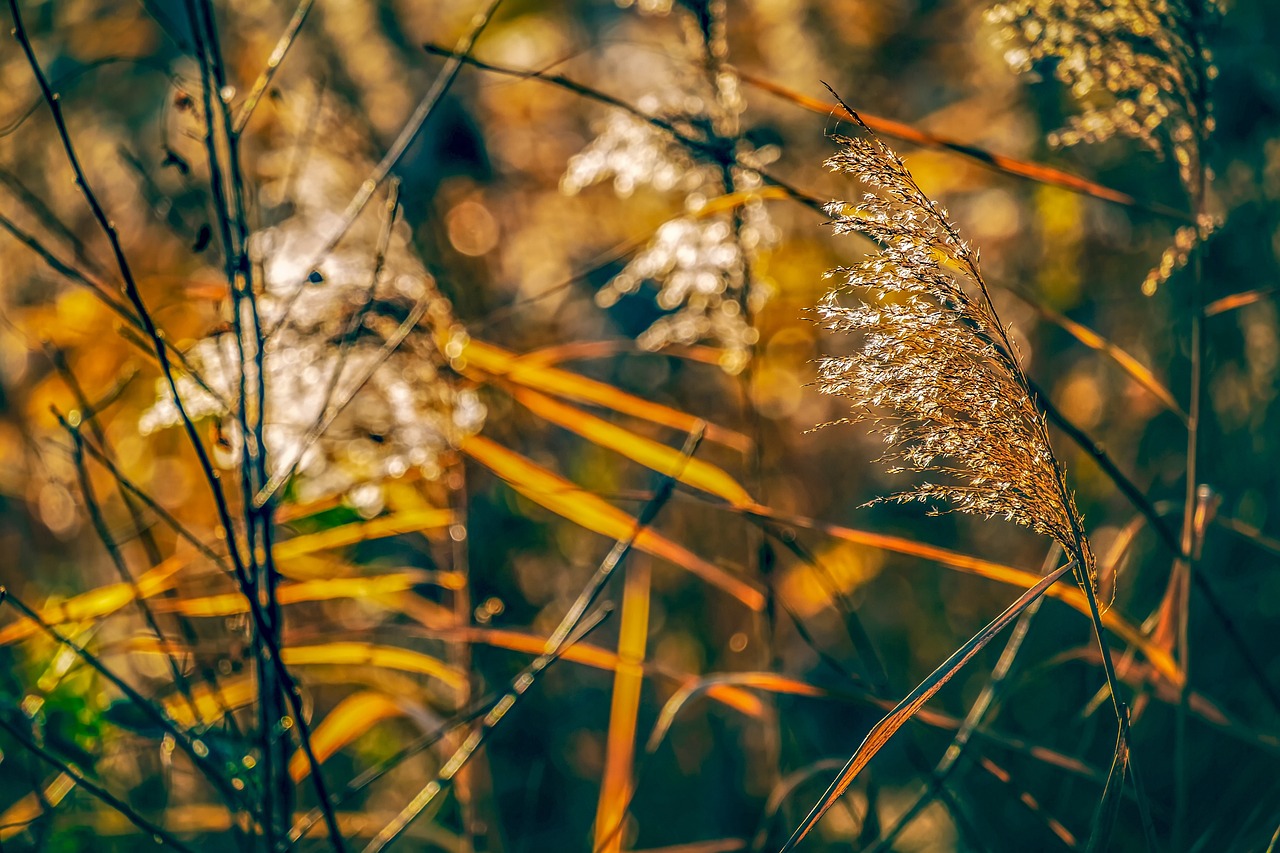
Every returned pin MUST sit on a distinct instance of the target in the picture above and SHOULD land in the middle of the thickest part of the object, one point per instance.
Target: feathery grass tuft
(937, 373)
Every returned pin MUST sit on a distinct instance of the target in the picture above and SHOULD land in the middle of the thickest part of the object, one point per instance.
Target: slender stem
(274, 61)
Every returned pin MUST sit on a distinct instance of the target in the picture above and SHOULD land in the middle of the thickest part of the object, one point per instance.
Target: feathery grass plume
(706, 265)
(936, 372)
(359, 390)
(1138, 68)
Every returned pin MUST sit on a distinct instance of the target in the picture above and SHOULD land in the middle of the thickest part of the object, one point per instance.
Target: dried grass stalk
(936, 372)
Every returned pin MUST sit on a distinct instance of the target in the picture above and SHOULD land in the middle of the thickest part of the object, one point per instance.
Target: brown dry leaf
(567, 500)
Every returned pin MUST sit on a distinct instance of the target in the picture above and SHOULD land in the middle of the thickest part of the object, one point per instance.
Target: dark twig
(194, 748)
(569, 625)
(426, 107)
(211, 476)
(278, 53)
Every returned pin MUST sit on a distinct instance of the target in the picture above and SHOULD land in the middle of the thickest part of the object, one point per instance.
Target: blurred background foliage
(513, 206)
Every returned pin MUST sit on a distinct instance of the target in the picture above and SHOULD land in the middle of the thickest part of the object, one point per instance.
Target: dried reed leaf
(357, 588)
(1238, 300)
(348, 720)
(1138, 371)
(582, 350)
(492, 360)
(766, 681)
(344, 535)
(15, 819)
(97, 603)
(207, 703)
(1160, 659)
(567, 500)
(369, 654)
(628, 680)
(909, 707)
(652, 454)
(1037, 172)
(598, 658)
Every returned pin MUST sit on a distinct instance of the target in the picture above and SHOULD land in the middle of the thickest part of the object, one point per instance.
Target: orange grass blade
(349, 719)
(567, 500)
(628, 680)
(1021, 168)
(767, 681)
(583, 350)
(652, 454)
(1137, 371)
(495, 361)
(1160, 659)
(1238, 300)
(598, 658)
(882, 731)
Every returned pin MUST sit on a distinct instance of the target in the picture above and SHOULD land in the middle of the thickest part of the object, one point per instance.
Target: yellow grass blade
(495, 361)
(29, 808)
(208, 704)
(567, 500)
(414, 521)
(652, 454)
(628, 680)
(349, 719)
(359, 588)
(368, 654)
(97, 603)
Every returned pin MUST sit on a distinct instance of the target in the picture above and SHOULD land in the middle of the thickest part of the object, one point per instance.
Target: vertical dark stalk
(162, 352)
(1185, 567)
